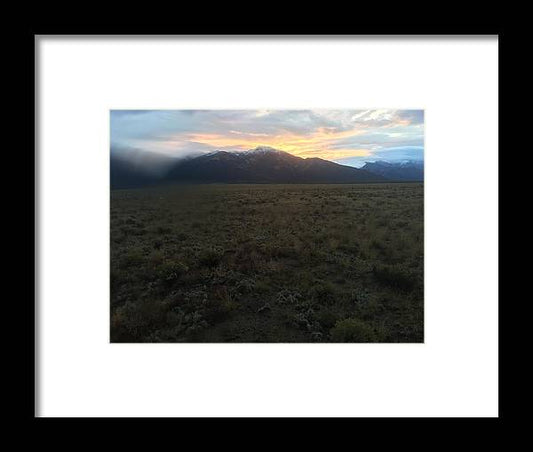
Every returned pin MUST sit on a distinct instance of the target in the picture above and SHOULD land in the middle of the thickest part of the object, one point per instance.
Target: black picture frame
(30, 307)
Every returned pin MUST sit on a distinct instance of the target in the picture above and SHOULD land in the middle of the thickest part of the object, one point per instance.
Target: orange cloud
(317, 144)
(335, 154)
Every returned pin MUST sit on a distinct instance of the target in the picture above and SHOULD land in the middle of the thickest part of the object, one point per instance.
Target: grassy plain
(268, 263)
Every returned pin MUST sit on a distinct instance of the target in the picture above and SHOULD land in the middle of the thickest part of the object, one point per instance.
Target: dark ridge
(266, 165)
(412, 170)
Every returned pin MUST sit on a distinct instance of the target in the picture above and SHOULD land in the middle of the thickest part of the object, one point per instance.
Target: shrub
(182, 236)
(395, 277)
(377, 244)
(327, 319)
(215, 311)
(171, 271)
(324, 292)
(163, 230)
(210, 258)
(249, 263)
(226, 299)
(353, 330)
(134, 321)
(133, 258)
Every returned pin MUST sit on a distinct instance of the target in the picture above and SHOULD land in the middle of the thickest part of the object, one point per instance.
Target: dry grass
(267, 263)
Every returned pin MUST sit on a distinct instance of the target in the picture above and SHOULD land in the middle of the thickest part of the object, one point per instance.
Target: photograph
(267, 226)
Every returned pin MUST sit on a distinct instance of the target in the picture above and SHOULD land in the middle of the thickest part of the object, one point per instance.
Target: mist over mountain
(260, 165)
(133, 168)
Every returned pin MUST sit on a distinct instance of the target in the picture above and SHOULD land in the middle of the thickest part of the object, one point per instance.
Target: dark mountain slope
(265, 165)
(399, 171)
(320, 170)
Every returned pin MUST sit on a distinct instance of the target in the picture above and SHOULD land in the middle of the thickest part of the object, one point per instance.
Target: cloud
(412, 116)
(400, 153)
(330, 134)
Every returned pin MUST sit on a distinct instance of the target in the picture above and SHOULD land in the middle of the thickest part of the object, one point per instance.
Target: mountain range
(408, 170)
(260, 165)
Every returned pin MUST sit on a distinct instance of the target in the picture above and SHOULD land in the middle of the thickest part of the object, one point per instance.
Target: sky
(349, 137)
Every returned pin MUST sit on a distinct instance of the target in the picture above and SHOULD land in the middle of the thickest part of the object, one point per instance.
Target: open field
(268, 263)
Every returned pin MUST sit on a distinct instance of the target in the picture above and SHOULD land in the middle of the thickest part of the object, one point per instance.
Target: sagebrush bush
(395, 277)
(210, 258)
(324, 292)
(327, 319)
(353, 330)
(171, 271)
(133, 258)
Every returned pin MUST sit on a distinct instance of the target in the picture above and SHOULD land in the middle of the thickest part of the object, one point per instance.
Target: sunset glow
(346, 136)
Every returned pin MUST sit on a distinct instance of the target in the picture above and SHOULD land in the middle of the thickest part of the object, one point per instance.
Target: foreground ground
(267, 263)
